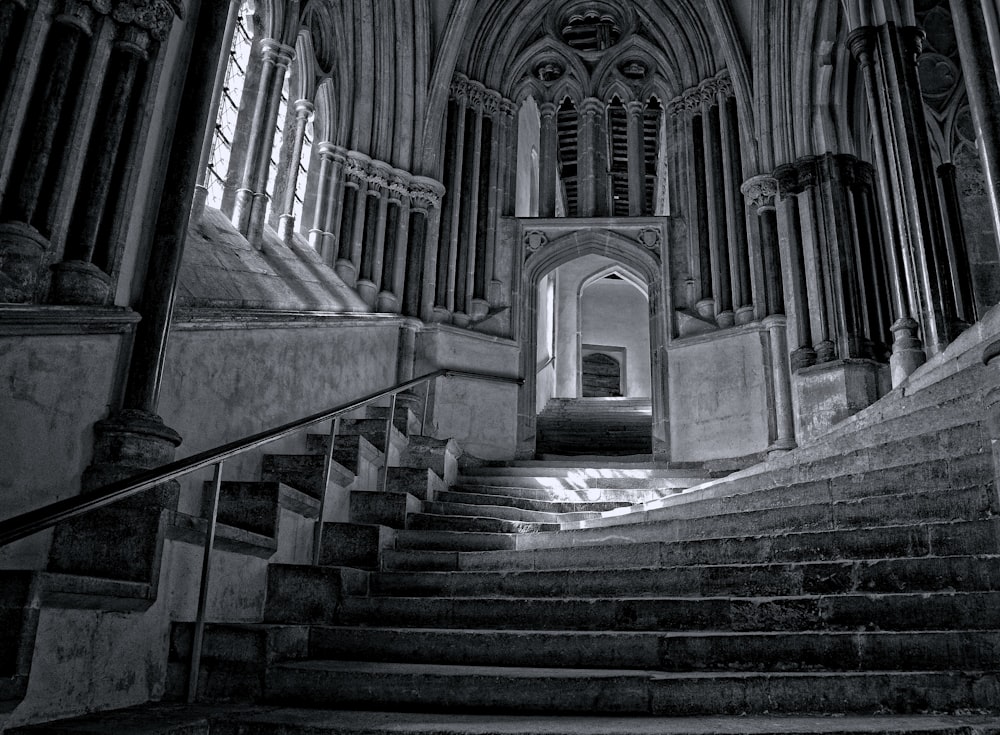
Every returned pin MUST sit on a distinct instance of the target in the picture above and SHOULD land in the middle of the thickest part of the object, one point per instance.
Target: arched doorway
(555, 340)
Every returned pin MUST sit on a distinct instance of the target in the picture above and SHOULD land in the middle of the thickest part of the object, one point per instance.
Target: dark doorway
(602, 376)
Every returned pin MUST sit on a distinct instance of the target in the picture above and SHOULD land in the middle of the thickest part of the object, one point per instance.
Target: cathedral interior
(499, 366)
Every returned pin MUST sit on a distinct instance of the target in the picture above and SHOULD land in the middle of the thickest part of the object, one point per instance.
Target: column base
(706, 308)
(286, 227)
(348, 274)
(725, 319)
(744, 315)
(461, 319)
(440, 315)
(828, 393)
(368, 291)
(907, 350)
(125, 540)
(803, 357)
(78, 283)
(22, 250)
(780, 447)
(480, 309)
(387, 303)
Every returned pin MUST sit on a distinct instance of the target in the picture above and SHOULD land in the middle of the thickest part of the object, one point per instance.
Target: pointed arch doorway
(569, 268)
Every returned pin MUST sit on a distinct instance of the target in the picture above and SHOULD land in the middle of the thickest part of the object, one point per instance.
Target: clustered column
(68, 166)
(721, 287)
(476, 170)
(761, 192)
(887, 58)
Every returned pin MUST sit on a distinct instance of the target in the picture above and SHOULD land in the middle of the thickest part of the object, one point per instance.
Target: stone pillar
(548, 159)
(261, 197)
(324, 187)
(715, 188)
(793, 266)
(983, 86)
(636, 160)
(286, 220)
(345, 239)
(330, 206)
(396, 233)
(447, 259)
(735, 227)
(123, 541)
(83, 276)
(24, 237)
(427, 193)
(469, 244)
(201, 188)
(373, 234)
(591, 111)
(261, 132)
(761, 192)
(907, 349)
(363, 205)
(958, 254)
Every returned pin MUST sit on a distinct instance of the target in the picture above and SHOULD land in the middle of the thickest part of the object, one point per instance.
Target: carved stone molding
(760, 191)
(476, 95)
(707, 92)
(425, 193)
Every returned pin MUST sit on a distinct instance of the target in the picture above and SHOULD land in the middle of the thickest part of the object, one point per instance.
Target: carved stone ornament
(535, 240)
(549, 71)
(425, 193)
(649, 238)
(155, 16)
(760, 191)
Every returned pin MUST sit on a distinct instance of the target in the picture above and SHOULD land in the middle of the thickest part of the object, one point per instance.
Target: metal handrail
(33, 521)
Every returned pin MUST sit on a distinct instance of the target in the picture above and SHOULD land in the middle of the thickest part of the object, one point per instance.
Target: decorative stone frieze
(707, 92)
(477, 96)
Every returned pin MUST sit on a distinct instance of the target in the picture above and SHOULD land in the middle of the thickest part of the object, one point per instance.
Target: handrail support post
(327, 471)
(206, 566)
(388, 439)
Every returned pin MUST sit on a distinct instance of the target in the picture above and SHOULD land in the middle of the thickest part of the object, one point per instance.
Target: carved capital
(154, 16)
(861, 42)
(808, 169)
(425, 194)
(787, 177)
(760, 192)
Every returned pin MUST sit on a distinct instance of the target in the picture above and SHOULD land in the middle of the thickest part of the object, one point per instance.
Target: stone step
(406, 421)
(921, 574)
(373, 430)
(386, 509)
(504, 512)
(453, 540)
(664, 651)
(299, 593)
(944, 503)
(304, 472)
(544, 506)
(225, 719)
(422, 483)
(888, 611)
(938, 539)
(569, 494)
(573, 469)
(438, 455)
(486, 689)
(474, 524)
(256, 506)
(967, 505)
(348, 451)
(358, 545)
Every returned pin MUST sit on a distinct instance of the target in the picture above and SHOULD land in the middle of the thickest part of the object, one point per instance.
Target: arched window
(229, 105)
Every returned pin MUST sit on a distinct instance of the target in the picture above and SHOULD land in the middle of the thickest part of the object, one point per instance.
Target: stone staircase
(595, 426)
(852, 585)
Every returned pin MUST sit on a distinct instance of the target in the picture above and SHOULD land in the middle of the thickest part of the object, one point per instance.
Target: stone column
(83, 276)
(363, 206)
(270, 51)
(261, 197)
(286, 220)
(636, 160)
(24, 239)
(324, 186)
(958, 254)
(469, 244)
(373, 233)
(794, 268)
(907, 349)
(983, 86)
(396, 234)
(426, 194)
(548, 159)
(447, 259)
(715, 188)
(352, 192)
(761, 192)
(201, 188)
(331, 206)
(739, 264)
(591, 111)
(123, 541)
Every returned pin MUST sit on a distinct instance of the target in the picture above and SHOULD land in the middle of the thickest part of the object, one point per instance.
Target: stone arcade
(717, 285)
